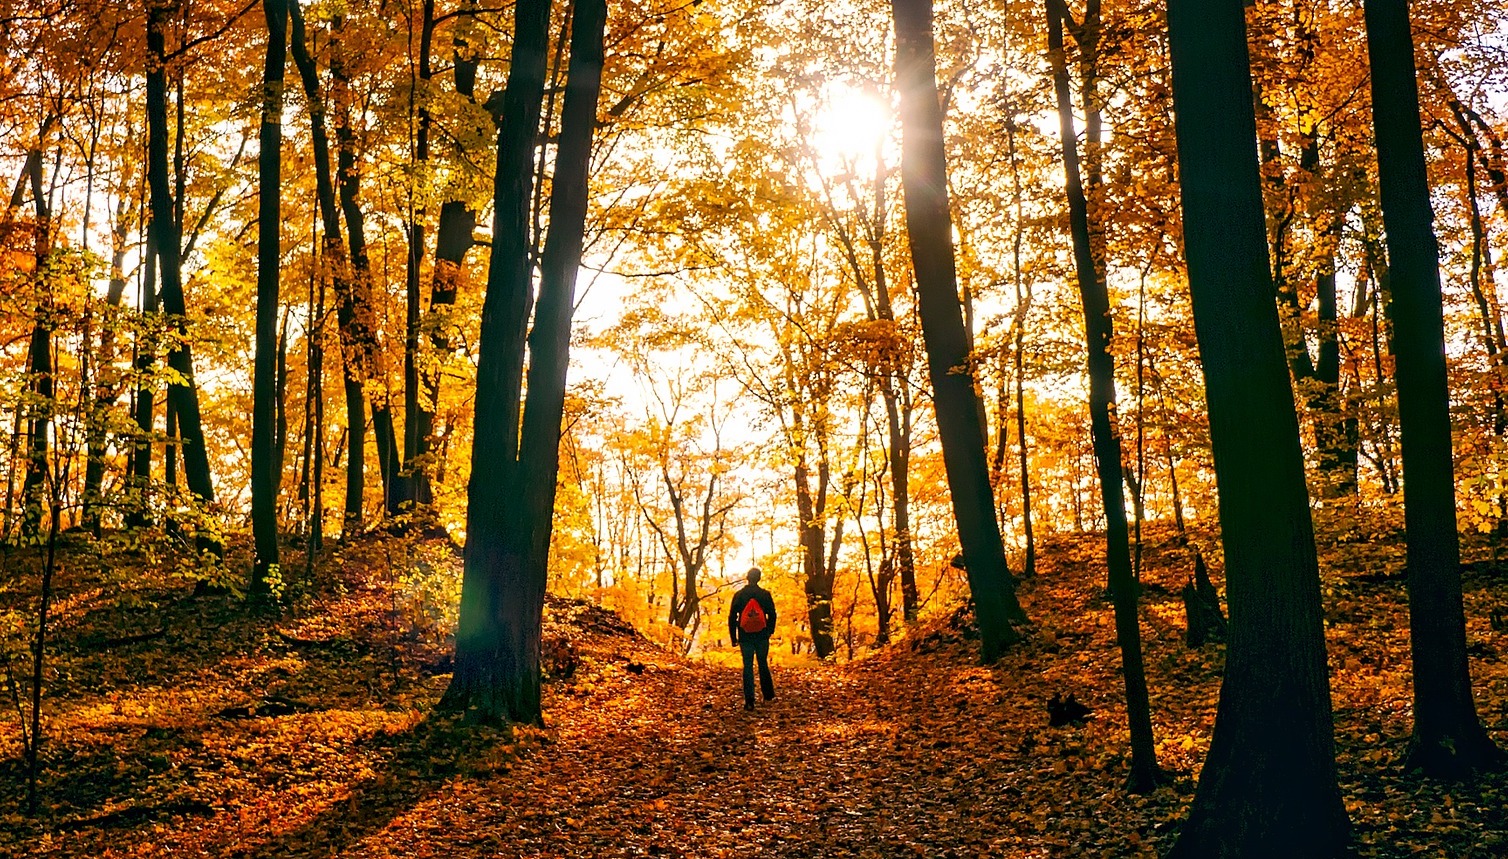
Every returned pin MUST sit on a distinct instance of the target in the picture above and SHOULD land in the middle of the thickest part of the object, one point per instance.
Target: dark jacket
(741, 599)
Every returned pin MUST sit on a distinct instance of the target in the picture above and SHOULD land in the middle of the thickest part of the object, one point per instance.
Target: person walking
(751, 619)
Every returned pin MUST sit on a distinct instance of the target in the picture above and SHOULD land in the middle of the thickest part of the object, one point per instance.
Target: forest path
(847, 761)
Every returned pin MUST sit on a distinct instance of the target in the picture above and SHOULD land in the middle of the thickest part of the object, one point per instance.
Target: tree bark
(334, 263)
(1268, 787)
(107, 390)
(39, 368)
(928, 227)
(496, 675)
(265, 457)
(1098, 331)
(138, 512)
(355, 317)
(164, 235)
(453, 238)
(1448, 739)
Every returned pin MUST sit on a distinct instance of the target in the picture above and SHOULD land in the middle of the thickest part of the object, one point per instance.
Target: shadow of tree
(419, 762)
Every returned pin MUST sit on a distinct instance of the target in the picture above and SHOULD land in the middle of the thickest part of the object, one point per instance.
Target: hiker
(751, 619)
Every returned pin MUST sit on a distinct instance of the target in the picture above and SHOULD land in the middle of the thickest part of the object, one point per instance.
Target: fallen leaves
(913, 750)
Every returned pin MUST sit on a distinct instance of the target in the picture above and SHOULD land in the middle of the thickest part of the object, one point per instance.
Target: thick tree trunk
(928, 227)
(497, 641)
(1268, 787)
(518, 525)
(1449, 740)
(164, 235)
(1098, 331)
(265, 458)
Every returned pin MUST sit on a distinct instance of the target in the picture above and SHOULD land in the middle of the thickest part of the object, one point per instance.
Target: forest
(396, 395)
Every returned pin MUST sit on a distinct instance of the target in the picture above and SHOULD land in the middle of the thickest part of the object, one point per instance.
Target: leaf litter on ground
(312, 735)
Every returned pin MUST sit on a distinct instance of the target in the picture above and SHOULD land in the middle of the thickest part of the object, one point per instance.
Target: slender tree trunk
(1449, 740)
(1335, 447)
(165, 236)
(334, 263)
(38, 654)
(39, 366)
(928, 227)
(1018, 352)
(356, 318)
(817, 577)
(138, 514)
(1098, 332)
(413, 474)
(107, 388)
(1268, 787)
(264, 454)
(453, 238)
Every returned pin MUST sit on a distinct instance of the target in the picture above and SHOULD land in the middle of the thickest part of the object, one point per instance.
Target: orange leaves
(907, 752)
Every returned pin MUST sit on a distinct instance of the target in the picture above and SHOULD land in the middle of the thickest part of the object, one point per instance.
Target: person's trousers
(754, 646)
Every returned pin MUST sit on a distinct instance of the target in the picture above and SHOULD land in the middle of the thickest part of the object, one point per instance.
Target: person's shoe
(749, 705)
(770, 696)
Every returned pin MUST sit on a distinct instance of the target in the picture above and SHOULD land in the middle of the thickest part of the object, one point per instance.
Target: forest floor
(183, 726)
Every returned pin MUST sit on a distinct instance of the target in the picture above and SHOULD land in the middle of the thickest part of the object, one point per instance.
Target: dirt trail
(667, 763)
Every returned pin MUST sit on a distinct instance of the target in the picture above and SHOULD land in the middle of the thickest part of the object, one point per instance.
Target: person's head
(754, 575)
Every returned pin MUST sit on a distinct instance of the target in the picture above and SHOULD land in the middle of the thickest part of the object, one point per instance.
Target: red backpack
(752, 618)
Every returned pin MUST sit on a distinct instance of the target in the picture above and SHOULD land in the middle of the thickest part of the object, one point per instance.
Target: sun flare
(852, 124)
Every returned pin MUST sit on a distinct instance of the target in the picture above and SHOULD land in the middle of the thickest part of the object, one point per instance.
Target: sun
(853, 125)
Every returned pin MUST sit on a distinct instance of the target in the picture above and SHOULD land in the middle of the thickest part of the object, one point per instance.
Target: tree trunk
(1448, 740)
(928, 227)
(106, 390)
(164, 235)
(453, 238)
(265, 459)
(1334, 445)
(1268, 787)
(1098, 331)
(138, 512)
(497, 641)
(39, 369)
(526, 548)
(355, 316)
(413, 475)
(817, 578)
(334, 261)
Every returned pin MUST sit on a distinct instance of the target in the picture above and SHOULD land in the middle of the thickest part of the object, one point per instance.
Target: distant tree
(41, 383)
(959, 421)
(1268, 787)
(1448, 740)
